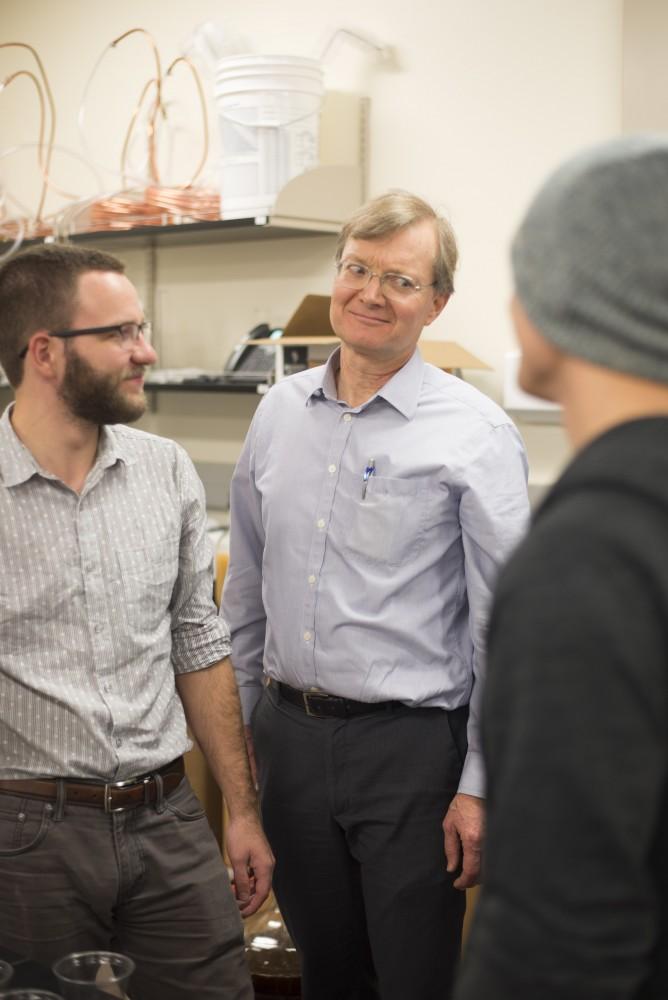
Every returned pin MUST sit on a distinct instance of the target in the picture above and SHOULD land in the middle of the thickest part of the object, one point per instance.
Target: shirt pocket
(388, 526)
(148, 574)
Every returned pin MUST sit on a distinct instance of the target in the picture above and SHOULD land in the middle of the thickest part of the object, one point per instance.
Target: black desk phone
(253, 359)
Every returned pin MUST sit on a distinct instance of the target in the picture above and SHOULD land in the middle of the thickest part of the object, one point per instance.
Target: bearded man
(109, 643)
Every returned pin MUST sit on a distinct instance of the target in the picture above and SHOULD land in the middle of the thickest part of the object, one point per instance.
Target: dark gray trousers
(353, 810)
(149, 883)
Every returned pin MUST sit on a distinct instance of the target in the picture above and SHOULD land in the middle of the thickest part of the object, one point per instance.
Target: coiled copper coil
(155, 205)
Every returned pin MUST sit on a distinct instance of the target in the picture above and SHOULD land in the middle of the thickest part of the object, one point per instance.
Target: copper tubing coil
(155, 206)
(44, 151)
(196, 203)
(29, 229)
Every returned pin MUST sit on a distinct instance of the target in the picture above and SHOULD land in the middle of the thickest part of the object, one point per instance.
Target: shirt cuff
(472, 781)
(198, 647)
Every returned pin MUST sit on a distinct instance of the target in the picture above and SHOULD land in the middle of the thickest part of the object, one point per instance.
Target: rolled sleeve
(199, 637)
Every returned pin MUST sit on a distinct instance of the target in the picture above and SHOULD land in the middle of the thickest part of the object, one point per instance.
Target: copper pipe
(38, 87)
(133, 122)
(200, 204)
(157, 107)
(205, 122)
(40, 148)
(45, 162)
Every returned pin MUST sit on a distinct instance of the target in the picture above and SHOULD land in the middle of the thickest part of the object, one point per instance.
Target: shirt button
(99, 628)
(311, 579)
(307, 636)
(347, 417)
(119, 743)
(321, 523)
(331, 468)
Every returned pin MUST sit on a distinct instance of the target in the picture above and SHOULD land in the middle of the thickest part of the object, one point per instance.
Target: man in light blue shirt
(372, 506)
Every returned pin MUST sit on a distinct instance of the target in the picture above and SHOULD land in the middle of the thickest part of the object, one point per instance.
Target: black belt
(114, 796)
(330, 706)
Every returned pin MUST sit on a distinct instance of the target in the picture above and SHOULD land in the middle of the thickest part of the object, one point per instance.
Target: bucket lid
(269, 62)
(269, 68)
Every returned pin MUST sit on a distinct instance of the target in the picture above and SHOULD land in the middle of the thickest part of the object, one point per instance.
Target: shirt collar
(325, 385)
(401, 391)
(18, 465)
(113, 448)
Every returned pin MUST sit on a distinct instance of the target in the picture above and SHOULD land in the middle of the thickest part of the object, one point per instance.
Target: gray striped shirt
(104, 596)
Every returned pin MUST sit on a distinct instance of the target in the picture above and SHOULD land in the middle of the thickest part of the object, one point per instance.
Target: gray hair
(396, 210)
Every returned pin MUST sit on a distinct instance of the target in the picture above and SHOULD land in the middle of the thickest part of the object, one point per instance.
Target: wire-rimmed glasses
(353, 274)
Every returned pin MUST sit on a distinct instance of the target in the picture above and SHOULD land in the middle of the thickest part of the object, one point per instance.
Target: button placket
(97, 605)
(338, 444)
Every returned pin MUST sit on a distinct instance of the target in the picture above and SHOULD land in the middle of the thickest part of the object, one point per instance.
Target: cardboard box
(310, 319)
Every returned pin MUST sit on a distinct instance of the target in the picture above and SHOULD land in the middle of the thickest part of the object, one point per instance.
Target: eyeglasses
(352, 274)
(126, 335)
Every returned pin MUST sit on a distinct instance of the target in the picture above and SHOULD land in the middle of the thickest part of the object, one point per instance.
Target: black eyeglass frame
(142, 330)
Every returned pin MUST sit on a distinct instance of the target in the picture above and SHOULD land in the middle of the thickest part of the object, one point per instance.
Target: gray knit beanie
(590, 259)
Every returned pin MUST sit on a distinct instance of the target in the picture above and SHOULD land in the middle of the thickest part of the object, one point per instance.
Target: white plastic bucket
(268, 108)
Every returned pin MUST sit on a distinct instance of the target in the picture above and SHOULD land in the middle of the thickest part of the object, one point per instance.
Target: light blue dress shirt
(380, 593)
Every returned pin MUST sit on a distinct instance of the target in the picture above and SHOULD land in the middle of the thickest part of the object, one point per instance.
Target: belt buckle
(317, 697)
(306, 696)
(108, 791)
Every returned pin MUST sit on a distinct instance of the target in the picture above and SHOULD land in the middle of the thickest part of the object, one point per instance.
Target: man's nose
(144, 353)
(373, 290)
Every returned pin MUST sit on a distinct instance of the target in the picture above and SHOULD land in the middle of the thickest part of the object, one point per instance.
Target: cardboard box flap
(448, 354)
(310, 319)
(294, 341)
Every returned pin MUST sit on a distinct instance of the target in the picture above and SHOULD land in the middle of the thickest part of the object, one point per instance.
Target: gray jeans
(149, 882)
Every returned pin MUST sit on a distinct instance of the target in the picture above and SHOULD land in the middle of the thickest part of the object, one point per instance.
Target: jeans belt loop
(160, 805)
(59, 814)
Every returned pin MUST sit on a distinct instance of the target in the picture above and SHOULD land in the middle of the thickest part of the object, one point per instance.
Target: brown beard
(97, 398)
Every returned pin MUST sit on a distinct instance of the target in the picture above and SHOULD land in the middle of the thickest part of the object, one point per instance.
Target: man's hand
(252, 862)
(211, 703)
(463, 827)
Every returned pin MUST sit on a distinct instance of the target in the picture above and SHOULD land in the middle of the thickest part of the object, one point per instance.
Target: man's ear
(439, 302)
(41, 353)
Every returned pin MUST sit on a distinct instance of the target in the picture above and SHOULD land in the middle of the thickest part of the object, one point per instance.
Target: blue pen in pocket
(369, 471)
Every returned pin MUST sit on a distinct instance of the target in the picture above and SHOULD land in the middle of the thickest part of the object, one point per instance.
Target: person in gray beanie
(574, 903)
(590, 260)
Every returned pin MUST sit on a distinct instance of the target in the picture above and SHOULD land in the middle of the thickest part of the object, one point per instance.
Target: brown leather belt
(330, 706)
(115, 796)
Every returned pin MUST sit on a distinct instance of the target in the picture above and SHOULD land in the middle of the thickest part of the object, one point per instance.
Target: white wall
(487, 96)
(645, 80)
